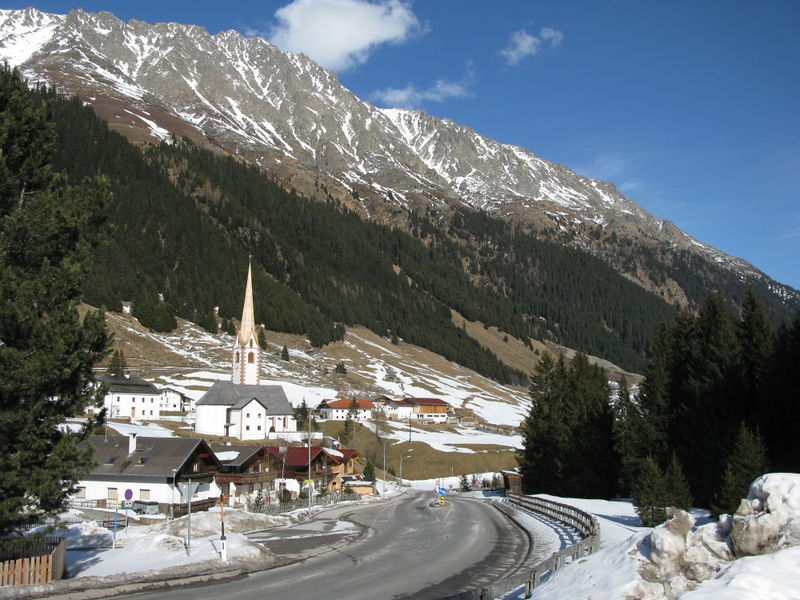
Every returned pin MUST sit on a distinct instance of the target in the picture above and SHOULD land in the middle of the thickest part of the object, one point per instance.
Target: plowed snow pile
(751, 555)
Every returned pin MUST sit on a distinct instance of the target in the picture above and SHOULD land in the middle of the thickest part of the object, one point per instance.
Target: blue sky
(692, 108)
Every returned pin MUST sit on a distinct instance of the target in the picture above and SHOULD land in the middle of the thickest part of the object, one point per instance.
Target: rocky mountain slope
(294, 119)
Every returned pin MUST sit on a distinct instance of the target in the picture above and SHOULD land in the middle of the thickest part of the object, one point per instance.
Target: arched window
(251, 357)
(236, 357)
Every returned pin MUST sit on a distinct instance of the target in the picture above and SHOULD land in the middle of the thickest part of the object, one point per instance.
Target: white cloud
(340, 34)
(413, 97)
(522, 44)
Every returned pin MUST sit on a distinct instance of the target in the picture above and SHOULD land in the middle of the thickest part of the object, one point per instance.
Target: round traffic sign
(128, 494)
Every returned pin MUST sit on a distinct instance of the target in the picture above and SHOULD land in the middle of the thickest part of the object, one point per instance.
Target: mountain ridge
(294, 119)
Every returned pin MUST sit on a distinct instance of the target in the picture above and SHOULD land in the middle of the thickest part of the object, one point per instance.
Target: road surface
(404, 549)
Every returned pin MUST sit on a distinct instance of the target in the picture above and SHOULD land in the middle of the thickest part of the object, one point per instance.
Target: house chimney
(131, 443)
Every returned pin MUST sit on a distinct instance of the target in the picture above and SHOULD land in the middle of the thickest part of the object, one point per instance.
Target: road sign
(128, 494)
(188, 488)
(442, 491)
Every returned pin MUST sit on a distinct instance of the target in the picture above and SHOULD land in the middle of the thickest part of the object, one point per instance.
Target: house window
(236, 357)
(111, 494)
(144, 494)
(151, 413)
(247, 415)
(80, 492)
(259, 427)
(247, 427)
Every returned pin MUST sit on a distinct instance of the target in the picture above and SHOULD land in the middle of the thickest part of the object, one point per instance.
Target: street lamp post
(383, 489)
(402, 455)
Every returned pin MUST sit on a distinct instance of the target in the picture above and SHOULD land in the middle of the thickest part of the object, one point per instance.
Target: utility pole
(310, 493)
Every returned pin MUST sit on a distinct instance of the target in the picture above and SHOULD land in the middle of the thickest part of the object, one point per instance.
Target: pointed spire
(247, 329)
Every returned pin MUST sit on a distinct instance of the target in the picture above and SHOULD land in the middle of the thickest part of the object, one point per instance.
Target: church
(242, 408)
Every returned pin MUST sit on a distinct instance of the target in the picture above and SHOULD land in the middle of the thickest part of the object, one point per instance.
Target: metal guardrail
(531, 577)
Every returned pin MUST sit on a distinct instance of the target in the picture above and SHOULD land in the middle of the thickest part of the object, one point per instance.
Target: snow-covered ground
(682, 560)
(679, 559)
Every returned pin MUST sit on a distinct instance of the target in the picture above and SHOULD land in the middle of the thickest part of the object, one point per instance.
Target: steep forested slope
(186, 220)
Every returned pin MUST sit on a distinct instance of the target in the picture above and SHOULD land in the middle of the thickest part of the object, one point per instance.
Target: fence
(274, 508)
(530, 577)
(29, 561)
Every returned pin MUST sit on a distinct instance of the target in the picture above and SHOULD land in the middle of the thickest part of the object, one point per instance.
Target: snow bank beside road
(679, 560)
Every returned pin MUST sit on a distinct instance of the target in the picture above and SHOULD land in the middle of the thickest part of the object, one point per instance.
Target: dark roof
(128, 385)
(227, 393)
(246, 453)
(427, 401)
(154, 456)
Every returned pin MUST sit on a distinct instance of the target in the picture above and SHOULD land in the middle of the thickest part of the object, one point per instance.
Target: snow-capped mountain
(293, 118)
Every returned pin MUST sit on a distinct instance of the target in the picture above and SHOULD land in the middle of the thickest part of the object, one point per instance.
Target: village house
(328, 466)
(152, 470)
(431, 410)
(243, 408)
(337, 410)
(245, 471)
(130, 397)
(175, 401)
(398, 410)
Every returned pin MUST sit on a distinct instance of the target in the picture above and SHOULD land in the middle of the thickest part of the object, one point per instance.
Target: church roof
(237, 396)
(247, 328)
(128, 385)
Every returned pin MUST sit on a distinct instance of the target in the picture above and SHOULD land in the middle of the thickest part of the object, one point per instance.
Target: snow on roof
(227, 455)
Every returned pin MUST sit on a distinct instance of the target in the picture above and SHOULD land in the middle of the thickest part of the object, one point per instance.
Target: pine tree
(649, 496)
(369, 472)
(463, 483)
(285, 354)
(676, 487)
(747, 461)
(48, 232)
(262, 339)
(545, 433)
(301, 415)
(117, 366)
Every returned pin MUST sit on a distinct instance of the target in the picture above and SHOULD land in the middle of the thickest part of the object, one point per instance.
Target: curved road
(409, 550)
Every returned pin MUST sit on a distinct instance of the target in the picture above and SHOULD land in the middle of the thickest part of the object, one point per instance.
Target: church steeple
(246, 350)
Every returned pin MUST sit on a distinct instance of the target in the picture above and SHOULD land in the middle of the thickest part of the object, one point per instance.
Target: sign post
(188, 488)
(223, 546)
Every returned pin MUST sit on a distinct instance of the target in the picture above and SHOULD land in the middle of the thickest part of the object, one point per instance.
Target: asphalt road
(402, 549)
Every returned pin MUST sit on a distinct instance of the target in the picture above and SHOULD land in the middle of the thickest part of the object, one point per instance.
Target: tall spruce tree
(780, 420)
(747, 461)
(649, 494)
(545, 434)
(48, 232)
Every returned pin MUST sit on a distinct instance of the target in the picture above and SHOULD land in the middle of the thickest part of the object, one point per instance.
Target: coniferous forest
(186, 219)
(720, 405)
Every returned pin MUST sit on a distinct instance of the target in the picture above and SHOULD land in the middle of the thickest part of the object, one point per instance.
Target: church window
(251, 357)
(236, 357)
